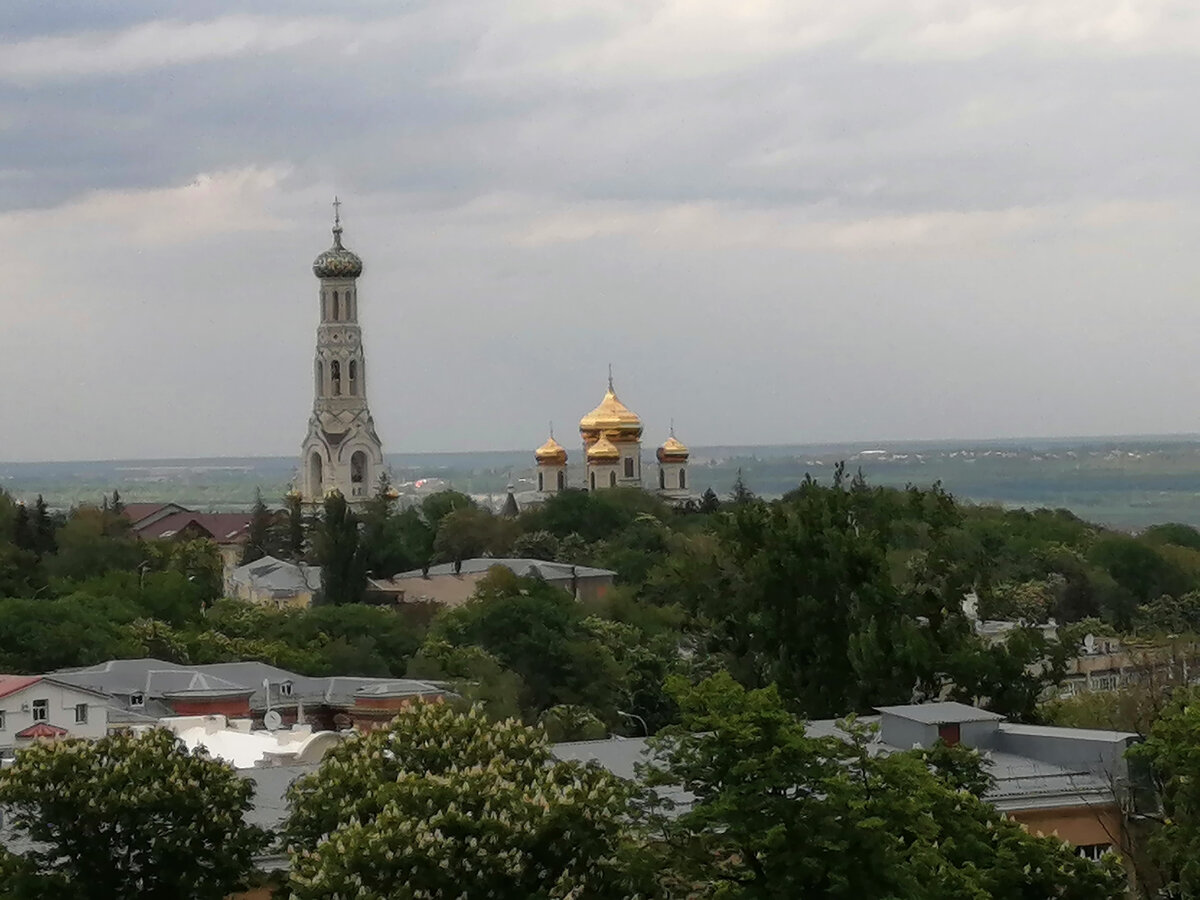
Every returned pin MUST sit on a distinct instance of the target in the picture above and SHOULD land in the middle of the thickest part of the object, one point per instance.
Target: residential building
(172, 522)
(451, 585)
(1069, 782)
(142, 691)
(43, 707)
(274, 582)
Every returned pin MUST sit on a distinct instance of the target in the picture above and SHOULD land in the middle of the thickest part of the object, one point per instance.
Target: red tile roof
(10, 684)
(224, 528)
(135, 512)
(42, 730)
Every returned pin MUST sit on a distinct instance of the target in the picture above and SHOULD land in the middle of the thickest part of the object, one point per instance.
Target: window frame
(40, 710)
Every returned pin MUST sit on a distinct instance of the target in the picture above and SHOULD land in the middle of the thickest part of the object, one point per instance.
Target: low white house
(40, 707)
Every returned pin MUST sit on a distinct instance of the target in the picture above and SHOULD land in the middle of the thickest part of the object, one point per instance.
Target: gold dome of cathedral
(612, 418)
(672, 450)
(551, 453)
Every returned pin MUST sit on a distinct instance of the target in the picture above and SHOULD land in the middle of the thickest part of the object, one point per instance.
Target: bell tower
(342, 450)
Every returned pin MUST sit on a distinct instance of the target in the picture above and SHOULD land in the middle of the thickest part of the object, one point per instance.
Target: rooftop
(525, 568)
(940, 713)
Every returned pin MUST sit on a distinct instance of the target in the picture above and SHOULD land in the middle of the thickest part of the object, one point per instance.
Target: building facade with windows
(342, 450)
(40, 707)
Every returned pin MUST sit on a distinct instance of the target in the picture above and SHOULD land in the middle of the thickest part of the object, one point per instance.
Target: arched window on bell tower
(335, 376)
(353, 370)
(320, 378)
(335, 306)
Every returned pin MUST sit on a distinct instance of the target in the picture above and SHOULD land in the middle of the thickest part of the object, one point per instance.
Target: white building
(40, 707)
(342, 451)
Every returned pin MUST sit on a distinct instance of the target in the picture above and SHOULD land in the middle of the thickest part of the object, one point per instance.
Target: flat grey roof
(940, 713)
(1075, 734)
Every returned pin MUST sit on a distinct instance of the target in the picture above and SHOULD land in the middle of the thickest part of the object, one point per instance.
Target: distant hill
(1126, 482)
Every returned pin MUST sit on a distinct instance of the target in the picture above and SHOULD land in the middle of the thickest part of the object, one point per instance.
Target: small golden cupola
(551, 453)
(672, 450)
(611, 418)
(603, 451)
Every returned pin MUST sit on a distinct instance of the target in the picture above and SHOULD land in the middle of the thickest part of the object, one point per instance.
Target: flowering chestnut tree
(445, 804)
(125, 816)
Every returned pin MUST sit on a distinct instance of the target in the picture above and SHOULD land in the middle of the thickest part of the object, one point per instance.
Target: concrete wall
(904, 733)
(1072, 751)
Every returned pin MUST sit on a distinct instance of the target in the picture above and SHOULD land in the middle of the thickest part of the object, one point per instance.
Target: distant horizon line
(868, 444)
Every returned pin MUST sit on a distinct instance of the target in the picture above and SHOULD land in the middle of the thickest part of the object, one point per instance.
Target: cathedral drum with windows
(342, 450)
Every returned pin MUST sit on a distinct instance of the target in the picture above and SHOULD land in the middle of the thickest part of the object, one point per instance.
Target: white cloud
(213, 203)
(715, 226)
(159, 44)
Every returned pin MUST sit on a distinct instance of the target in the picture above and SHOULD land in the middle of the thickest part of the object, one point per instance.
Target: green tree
(537, 631)
(536, 545)
(473, 673)
(340, 553)
(128, 816)
(438, 505)
(44, 528)
(258, 540)
(445, 804)
(780, 814)
(24, 535)
(89, 544)
(1170, 753)
(466, 533)
(294, 531)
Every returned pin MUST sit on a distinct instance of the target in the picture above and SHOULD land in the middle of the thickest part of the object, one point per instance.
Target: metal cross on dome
(337, 210)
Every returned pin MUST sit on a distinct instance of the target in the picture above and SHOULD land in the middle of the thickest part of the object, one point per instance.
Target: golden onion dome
(611, 416)
(603, 451)
(551, 453)
(672, 450)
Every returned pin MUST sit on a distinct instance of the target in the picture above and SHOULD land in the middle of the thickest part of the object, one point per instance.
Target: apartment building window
(80, 713)
(41, 710)
(285, 689)
(137, 700)
(1, 720)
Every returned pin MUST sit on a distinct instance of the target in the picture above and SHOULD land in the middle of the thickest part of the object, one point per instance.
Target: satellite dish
(272, 720)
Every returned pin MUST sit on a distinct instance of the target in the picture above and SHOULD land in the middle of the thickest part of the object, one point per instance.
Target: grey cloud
(819, 241)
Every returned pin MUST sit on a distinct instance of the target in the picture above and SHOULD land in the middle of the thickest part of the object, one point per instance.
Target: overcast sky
(781, 221)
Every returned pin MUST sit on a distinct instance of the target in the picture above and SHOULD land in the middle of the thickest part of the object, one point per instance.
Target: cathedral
(341, 451)
(612, 454)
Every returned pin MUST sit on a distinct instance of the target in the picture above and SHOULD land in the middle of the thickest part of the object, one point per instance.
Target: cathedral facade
(612, 455)
(341, 450)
